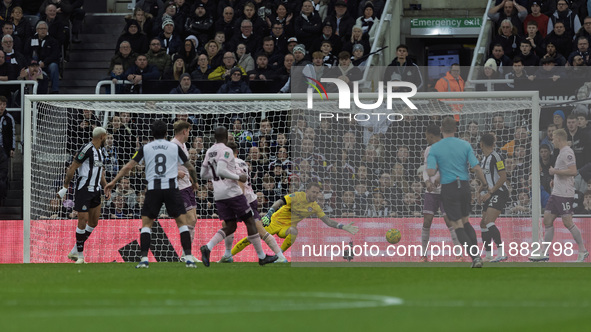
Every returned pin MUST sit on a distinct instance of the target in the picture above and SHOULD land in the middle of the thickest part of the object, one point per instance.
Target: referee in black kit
(452, 156)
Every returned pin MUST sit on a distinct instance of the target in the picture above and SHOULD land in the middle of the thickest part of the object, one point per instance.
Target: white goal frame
(31, 100)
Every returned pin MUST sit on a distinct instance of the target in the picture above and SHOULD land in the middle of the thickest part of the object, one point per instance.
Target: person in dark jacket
(200, 24)
(140, 72)
(235, 85)
(45, 49)
(132, 34)
(402, 68)
(185, 86)
(7, 145)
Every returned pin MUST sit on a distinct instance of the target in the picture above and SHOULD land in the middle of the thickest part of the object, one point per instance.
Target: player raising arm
(87, 199)
(283, 217)
(251, 197)
(162, 158)
(219, 165)
(562, 198)
(495, 199)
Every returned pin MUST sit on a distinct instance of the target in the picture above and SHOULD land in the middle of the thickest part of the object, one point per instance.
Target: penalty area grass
(278, 297)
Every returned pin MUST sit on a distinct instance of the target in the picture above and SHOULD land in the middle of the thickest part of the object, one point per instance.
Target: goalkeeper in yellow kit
(283, 217)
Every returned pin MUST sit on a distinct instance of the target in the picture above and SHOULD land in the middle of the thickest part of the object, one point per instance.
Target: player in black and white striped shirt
(87, 199)
(495, 198)
(162, 158)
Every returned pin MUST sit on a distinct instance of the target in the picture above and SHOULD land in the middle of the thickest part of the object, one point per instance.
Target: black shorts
(170, 197)
(85, 200)
(498, 201)
(456, 201)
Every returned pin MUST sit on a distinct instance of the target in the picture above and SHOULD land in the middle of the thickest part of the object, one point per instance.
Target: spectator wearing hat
(527, 55)
(328, 35)
(402, 68)
(368, 22)
(358, 58)
(552, 53)
(291, 43)
(571, 20)
(170, 41)
(185, 86)
(200, 24)
(558, 118)
(489, 72)
(224, 71)
(342, 22)
(235, 84)
(308, 24)
(45, 49)
(158, 57)
(226, 23)
(137, 40)
(170, 12)
(298, 81)
(537, 16)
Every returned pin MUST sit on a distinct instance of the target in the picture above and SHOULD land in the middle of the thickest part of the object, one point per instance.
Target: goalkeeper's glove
(62, 192)
(266, 220)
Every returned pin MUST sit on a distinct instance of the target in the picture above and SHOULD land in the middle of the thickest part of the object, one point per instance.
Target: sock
(454, 237)
(486, 237)
(272, 243)
(185, 239)
(192, 232)
(255, 239)
(464, 239)
(217, 238)
(576, 232)
(240, 246)
(145, 235)
(471, 233)
(228, 242)
(286, 243)
(88, 231)
(80, 239)
(494, 233)
(425, 234)
(548, 236)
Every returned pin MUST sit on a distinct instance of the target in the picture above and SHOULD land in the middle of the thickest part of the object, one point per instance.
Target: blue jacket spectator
(235, 85)
(185, 86)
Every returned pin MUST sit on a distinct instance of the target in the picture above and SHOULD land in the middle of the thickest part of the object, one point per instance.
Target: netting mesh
(369, 166)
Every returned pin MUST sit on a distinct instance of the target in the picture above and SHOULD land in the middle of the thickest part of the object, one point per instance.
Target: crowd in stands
(36, 52)
(538, 41)
(210, 40)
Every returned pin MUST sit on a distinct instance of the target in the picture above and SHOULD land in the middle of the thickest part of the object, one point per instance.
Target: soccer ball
(393, 236)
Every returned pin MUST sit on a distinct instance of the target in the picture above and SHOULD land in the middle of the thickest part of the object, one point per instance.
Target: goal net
(369, 167)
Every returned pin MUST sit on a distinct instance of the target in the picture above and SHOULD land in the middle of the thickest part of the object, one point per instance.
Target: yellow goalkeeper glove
(266, 220)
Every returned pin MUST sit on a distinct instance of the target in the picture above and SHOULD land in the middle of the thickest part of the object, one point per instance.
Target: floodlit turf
(227, 297)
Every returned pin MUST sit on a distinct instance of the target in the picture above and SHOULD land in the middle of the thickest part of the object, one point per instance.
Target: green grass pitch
(279, 297)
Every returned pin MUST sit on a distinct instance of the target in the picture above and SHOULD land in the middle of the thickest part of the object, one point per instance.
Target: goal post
(46, 149)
